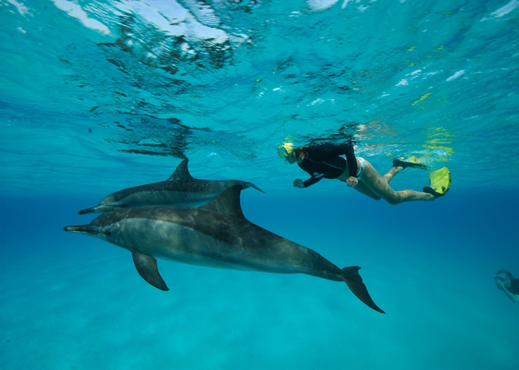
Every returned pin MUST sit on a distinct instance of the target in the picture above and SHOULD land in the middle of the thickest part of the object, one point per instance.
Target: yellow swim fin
(440, 182)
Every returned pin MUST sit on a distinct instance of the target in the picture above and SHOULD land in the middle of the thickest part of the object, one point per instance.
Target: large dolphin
(181, 189)
(216, 234)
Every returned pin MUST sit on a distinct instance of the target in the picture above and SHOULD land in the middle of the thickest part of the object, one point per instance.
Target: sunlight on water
(226, 83)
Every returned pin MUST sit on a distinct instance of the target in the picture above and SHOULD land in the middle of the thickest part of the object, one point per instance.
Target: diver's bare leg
(380, 186)
(364, 189)
(392, 172)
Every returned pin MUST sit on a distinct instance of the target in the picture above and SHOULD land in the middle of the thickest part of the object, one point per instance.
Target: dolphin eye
(123, 205)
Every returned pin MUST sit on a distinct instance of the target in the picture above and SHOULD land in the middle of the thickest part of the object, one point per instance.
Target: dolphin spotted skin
(181, 189)
(216, 234)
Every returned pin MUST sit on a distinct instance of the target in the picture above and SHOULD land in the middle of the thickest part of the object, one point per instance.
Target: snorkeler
(506, 282)
(325, 161)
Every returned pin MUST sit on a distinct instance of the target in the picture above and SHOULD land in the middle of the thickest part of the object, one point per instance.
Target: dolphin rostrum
(181, 189)
(216, 234)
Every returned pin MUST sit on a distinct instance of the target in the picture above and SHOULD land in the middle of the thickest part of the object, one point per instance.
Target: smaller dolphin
(181, 189)
(216, 234)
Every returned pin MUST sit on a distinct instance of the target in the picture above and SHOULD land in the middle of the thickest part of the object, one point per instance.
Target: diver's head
(291, 154)
(504, 276)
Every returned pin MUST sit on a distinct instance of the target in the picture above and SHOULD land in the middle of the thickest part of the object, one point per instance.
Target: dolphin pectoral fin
(147, 267)
(354, 282)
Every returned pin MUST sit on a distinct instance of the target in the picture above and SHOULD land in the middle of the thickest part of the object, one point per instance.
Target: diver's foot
(413, 163)
(430, 190)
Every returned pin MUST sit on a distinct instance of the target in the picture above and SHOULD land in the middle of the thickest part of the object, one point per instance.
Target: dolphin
(180, 189)
(216, 234)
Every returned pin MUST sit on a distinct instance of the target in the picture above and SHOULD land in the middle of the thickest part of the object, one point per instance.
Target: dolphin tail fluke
(354, 281)
(147, 267)
(85, 229)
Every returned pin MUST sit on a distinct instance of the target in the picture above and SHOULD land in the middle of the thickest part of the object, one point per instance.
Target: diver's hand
(352, 181)
(500, 284)
(298, 183)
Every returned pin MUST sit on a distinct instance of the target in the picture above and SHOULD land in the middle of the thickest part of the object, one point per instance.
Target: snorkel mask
(285, 150)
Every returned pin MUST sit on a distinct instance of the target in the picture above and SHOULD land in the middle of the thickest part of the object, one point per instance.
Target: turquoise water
(97, 96)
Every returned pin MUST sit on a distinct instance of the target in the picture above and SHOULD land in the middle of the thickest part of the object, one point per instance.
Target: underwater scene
(257, 184)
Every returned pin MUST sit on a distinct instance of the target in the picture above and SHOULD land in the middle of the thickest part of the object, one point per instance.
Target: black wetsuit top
(323, 161)
(514, 286)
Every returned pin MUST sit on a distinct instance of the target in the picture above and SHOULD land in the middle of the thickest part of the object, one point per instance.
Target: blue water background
(72, 302)
(92, 105)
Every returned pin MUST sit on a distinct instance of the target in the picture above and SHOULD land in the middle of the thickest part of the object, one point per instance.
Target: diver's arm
(347, 150)
(512, 296)
(304, 184)
(351, 159)
(325, 151)
(312, 180)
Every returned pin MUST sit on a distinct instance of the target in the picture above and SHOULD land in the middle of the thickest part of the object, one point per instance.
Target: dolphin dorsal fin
(181, 173)
(227, 203)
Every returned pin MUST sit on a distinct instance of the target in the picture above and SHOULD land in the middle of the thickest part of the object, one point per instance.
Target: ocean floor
(74, 302)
